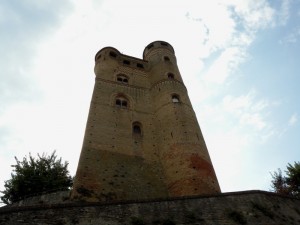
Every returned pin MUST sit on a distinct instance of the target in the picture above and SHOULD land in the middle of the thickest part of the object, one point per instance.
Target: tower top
(155, 45)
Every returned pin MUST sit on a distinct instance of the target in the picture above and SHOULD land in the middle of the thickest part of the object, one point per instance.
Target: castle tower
(142, 138)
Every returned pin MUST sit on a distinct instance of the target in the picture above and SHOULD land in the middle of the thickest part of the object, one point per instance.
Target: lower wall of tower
(196, 175)
(118, 177)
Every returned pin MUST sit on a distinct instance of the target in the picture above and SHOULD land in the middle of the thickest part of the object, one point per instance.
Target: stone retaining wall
(250, 207)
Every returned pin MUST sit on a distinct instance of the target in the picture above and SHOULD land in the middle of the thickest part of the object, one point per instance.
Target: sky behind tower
(238, 58)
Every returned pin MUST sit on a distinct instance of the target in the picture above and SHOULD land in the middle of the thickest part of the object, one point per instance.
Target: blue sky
(238, 59)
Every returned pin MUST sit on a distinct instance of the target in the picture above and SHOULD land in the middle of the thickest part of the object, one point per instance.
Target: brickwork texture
(250, 208)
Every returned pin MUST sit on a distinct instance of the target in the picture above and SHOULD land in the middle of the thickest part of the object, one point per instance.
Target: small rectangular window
(139, 65)
(126, 62)
(112, 54)
(164, 43)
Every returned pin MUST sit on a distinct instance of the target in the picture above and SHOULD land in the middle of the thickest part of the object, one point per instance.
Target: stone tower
(142, 138)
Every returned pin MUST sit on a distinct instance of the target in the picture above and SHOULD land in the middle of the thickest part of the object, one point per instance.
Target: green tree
(289, 184)
(36, 175)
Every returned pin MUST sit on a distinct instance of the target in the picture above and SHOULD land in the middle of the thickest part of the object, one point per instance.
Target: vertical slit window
(136, 129)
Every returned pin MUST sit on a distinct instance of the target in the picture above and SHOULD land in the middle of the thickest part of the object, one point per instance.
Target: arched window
(122, 79)
(137, 128)
(171, 76)
(175, 98)
(121, 102)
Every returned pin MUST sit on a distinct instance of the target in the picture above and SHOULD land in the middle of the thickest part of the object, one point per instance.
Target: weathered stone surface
(251, 208)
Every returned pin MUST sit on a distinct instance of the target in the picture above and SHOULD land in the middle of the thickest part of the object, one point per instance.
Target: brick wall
(251, 208)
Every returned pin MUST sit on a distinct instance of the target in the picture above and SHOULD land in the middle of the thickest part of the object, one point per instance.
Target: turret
(185, 160)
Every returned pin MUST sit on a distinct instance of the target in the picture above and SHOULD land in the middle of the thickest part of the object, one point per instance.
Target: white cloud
(249, 111)
(227, 62)
(284, 12)
(254, 15)
(230, 34)
(293, 119)
(292, 37)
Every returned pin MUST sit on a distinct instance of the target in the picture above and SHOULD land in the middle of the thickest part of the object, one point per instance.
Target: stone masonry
(249, 208)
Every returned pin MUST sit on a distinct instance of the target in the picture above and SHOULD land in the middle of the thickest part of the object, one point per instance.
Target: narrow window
(166, 58)
(126, 62)
(164, 43)
(113, 54)
(136, 128)
(124, 103)
(175, 98)
(118, 102)
(171, 76)
(139, 65)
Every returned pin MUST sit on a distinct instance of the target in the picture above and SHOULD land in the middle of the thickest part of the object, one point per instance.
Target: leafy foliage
(36, 175)
(289, 184)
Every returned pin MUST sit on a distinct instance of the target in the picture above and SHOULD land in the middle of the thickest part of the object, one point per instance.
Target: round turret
(157, 45)
(105, 62)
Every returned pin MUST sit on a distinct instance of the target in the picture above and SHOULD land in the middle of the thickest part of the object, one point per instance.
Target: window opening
(166, 58)
(171, 76)
(175, 98)
(122, 79)
(126, 62)
(118, 102)
(140, 65)
(113, 54)
(136, 128)
(121, 102)
(164, 43)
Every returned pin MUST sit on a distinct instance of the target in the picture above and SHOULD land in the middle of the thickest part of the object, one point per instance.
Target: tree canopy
(289, 184)
(33, 176)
